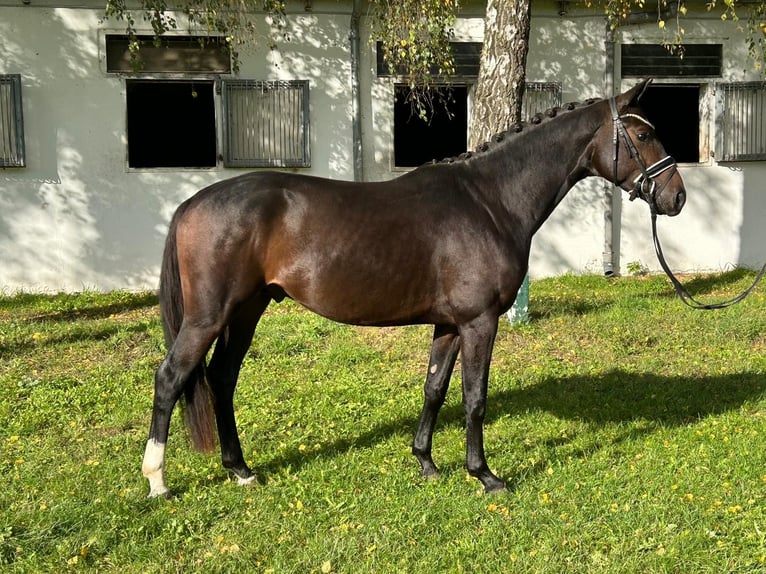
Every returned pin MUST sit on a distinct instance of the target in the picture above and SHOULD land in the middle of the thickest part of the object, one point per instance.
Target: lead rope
(682, 292)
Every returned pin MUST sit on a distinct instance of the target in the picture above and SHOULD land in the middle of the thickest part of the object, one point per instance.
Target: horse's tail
(197, 408)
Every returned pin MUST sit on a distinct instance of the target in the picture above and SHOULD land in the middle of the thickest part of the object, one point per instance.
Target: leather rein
(646, 188)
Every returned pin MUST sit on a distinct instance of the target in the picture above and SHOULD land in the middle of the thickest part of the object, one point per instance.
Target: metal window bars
(741, 122)
(266, 123)
(539, 97)
(11, 122)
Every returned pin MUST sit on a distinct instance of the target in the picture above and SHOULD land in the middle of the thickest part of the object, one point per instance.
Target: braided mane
(517, 129)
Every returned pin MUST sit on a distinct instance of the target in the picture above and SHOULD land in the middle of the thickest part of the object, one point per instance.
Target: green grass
(630, 429)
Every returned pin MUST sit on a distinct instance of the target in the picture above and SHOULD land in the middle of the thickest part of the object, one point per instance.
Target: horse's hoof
(247, 481)
(495, 488)
(491, 483)
(431, 476)
(160, 493)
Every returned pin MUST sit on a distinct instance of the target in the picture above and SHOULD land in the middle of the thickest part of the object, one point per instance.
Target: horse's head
(629, 154)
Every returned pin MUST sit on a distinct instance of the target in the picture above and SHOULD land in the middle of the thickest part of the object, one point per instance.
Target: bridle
(645, 187)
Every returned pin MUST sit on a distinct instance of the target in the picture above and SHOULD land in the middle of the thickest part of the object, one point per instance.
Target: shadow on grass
(701, 284)
(73, 331)
(135, 301)
(12, 349)
(614, 397)
(722, 284)
(617, 396)
(543, 307)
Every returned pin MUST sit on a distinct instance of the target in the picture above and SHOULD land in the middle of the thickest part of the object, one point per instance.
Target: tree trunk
(497, 102)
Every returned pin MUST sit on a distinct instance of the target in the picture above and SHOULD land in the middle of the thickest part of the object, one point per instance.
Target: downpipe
(608, 255)
(356, 114)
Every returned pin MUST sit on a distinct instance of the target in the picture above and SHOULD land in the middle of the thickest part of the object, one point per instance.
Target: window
(445, 133)
(176, 54)
(171, 124)
(678, 110)
(466, 56)
(741, 133)
(266, 123)
(656, 61)
(674, 109)
(11, 122)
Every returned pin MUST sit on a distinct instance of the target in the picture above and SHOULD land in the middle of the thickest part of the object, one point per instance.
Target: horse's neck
(531, 173)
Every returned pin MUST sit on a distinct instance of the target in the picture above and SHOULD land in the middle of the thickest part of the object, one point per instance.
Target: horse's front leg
(443, 353)
(476, 341)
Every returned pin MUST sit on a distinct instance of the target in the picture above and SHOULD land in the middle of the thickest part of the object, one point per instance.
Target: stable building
(95, 155)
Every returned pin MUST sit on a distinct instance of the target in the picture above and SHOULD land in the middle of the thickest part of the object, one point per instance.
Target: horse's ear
(632, 96)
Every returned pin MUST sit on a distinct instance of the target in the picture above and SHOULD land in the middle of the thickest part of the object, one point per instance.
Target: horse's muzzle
(671, 203)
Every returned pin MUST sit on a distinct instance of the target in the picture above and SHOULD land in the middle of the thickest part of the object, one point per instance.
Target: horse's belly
(361, 299)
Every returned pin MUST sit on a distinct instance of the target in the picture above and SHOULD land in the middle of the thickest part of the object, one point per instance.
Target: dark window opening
(674, 111)
(443, 134)
(171, 124)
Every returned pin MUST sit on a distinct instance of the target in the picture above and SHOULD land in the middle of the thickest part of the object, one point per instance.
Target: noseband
(644, 185)
(647, 179)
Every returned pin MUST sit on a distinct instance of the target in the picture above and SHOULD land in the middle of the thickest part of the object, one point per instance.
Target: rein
(647, 175)
(682, 292)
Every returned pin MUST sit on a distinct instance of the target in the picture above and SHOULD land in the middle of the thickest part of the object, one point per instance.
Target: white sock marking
(153, 468)
(245, 481)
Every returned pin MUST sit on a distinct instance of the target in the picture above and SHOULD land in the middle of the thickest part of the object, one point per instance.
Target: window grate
(266, 123)
(539, 97)
(741, 126)
(11, 122)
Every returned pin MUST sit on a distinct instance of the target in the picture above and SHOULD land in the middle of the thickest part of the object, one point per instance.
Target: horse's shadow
(613, 397)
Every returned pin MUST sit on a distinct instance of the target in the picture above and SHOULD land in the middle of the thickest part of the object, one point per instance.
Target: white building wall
(77, 217)
(570, 51)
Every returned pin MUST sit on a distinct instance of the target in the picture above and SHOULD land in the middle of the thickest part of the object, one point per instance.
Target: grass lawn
(630, 430)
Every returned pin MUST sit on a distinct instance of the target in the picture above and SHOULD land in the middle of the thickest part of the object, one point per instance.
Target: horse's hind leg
(222, 375)
(184, 357)
(444, 349)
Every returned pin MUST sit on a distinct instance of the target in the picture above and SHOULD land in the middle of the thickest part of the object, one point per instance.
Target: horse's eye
(643, 136)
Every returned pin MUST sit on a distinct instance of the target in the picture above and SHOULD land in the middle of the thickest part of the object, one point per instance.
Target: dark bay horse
(446, 244)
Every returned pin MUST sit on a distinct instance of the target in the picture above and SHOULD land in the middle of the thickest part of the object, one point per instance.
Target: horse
(446, 244)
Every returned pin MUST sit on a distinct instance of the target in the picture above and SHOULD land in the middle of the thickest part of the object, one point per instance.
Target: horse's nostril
(680, 199)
